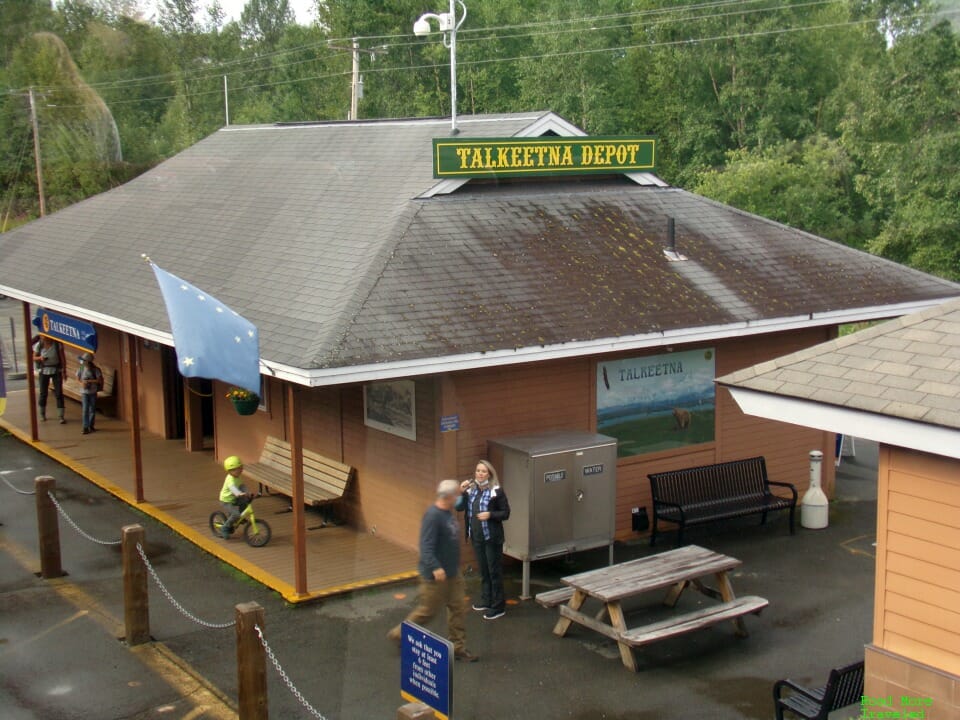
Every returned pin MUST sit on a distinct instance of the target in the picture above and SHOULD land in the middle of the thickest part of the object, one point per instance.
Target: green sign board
(517, 157)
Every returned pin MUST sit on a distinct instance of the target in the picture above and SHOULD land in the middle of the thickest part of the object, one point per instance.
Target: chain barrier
(17, 490)
(173, 600)
(77, 527)
(286, 679)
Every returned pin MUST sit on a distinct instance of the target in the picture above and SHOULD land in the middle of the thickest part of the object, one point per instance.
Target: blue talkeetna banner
(211, 340)
(657, 402)
(65, 329)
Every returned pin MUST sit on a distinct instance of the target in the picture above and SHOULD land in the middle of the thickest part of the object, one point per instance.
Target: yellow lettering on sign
(567, 156)
(462, 153)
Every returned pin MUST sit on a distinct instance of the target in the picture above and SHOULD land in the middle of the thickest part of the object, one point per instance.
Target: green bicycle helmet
(232, 463)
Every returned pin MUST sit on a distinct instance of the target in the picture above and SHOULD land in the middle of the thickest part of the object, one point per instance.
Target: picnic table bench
(73, 389)
(697, 495)
(676, 570)
(324, 480)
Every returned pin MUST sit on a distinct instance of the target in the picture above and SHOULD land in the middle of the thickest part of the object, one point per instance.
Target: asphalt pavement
(62, 654)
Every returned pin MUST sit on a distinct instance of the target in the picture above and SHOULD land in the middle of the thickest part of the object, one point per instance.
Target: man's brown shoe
(466, 656)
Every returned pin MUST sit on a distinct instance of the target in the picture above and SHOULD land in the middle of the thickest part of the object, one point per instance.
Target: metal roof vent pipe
(670, 251)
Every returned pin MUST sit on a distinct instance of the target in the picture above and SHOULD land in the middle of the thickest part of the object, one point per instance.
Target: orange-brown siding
(917, 608)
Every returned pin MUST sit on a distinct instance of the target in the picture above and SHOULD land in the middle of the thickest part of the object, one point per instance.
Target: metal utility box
(562, 488)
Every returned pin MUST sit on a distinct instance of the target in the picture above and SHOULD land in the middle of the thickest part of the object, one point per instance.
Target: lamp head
(422, 26)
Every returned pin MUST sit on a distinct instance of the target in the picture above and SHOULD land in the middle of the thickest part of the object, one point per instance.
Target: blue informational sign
(426, 669)
(68, 330)
(449, 422)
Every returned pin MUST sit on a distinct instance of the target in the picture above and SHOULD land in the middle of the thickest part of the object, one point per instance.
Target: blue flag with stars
(211, 340)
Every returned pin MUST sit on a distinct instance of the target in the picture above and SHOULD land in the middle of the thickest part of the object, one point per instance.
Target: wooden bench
(693, 496)
(73, 389)
(844, 687)
(324, 480)
(689, 622)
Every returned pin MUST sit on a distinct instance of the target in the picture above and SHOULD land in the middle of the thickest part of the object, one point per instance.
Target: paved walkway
(60, 656)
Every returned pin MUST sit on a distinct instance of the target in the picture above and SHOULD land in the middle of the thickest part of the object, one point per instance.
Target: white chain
(17, 490)
(76, 527)
(276, 663)
(173, 601)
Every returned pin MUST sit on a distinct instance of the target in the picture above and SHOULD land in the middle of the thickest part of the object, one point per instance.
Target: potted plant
(244, 401)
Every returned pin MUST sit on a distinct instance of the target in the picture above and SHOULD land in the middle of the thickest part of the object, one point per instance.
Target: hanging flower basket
(244, 401)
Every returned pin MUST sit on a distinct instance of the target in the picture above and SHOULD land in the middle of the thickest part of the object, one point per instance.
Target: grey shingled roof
(519, 266)
(316, 234)
(906, 368)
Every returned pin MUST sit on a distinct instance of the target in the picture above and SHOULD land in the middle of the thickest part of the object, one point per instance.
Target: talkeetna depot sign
(506, 157)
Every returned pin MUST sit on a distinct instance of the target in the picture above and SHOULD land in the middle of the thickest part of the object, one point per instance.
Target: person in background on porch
(485, 508)
(233, 494)
(91, 380)
(51, 364)
(441, 583)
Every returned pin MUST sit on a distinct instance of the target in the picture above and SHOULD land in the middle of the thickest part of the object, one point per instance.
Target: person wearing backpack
(91, 380)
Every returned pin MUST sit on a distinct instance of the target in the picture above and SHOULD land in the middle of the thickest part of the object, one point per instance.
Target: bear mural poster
(657, 402)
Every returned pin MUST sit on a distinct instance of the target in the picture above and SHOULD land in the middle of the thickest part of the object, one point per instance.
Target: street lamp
(448, 26)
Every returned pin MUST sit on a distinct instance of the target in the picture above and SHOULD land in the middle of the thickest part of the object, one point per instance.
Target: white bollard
(814, 508)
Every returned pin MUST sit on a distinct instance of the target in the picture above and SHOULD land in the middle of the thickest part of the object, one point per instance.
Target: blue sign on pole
(68, 330)
(426, 669)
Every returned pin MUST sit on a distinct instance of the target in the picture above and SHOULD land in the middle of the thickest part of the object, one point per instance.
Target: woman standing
(51, 366)
(486, 507)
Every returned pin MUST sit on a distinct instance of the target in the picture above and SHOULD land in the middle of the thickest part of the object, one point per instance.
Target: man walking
(441, 583)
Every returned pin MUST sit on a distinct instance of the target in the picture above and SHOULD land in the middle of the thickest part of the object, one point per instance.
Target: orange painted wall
(917, 602)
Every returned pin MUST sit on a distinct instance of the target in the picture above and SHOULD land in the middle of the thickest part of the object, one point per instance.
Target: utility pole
(226, 101)
(355, 87)
(356, 81)
(36, 152)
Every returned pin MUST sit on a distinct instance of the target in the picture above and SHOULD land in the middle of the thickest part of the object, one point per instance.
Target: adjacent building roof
(897, 382)
(355, 263)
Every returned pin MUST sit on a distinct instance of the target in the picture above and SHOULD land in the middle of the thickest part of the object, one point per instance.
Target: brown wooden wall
(917, 603)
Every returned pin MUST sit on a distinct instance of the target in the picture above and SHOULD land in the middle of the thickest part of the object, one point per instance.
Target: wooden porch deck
(181, 489)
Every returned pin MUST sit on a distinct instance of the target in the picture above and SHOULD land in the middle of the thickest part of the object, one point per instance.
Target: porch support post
(295, 438)
(134, 387)
(31, 375)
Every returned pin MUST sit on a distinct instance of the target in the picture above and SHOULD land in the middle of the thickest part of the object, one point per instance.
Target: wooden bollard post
(251, 663)
(48, 528)
(415, 711)
(136, 599)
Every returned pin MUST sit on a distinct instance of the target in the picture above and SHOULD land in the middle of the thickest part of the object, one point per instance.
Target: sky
(303, 9)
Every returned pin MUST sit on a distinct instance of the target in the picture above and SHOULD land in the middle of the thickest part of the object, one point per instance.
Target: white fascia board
(498, 358)
(933, 439)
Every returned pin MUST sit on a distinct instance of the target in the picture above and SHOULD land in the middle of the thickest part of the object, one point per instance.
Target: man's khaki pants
(433, 595)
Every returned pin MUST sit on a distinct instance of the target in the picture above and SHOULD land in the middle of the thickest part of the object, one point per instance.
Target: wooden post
(251, 663)
(136, 599)
(295, 438)
(134, 387)
(48, 528)
(415, 711)
(31, 375)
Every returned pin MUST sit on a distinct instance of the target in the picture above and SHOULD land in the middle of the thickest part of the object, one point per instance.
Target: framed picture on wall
(391, 406)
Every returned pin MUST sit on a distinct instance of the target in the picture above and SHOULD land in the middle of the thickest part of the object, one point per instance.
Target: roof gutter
(319, 377)
(934, 439)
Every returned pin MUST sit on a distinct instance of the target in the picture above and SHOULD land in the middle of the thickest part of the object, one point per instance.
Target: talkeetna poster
(657, 402)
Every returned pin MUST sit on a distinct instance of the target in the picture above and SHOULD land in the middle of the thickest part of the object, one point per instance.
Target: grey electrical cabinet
(562, 489)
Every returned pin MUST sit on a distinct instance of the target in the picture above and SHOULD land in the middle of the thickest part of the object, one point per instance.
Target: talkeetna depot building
(420, 293)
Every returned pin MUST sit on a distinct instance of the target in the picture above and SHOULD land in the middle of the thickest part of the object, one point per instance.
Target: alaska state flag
(211, 340)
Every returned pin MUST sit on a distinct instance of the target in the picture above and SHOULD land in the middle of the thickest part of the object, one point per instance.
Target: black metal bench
(844, 687)
(698, 495)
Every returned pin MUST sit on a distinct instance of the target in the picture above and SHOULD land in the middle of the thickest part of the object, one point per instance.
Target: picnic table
(676, 570)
